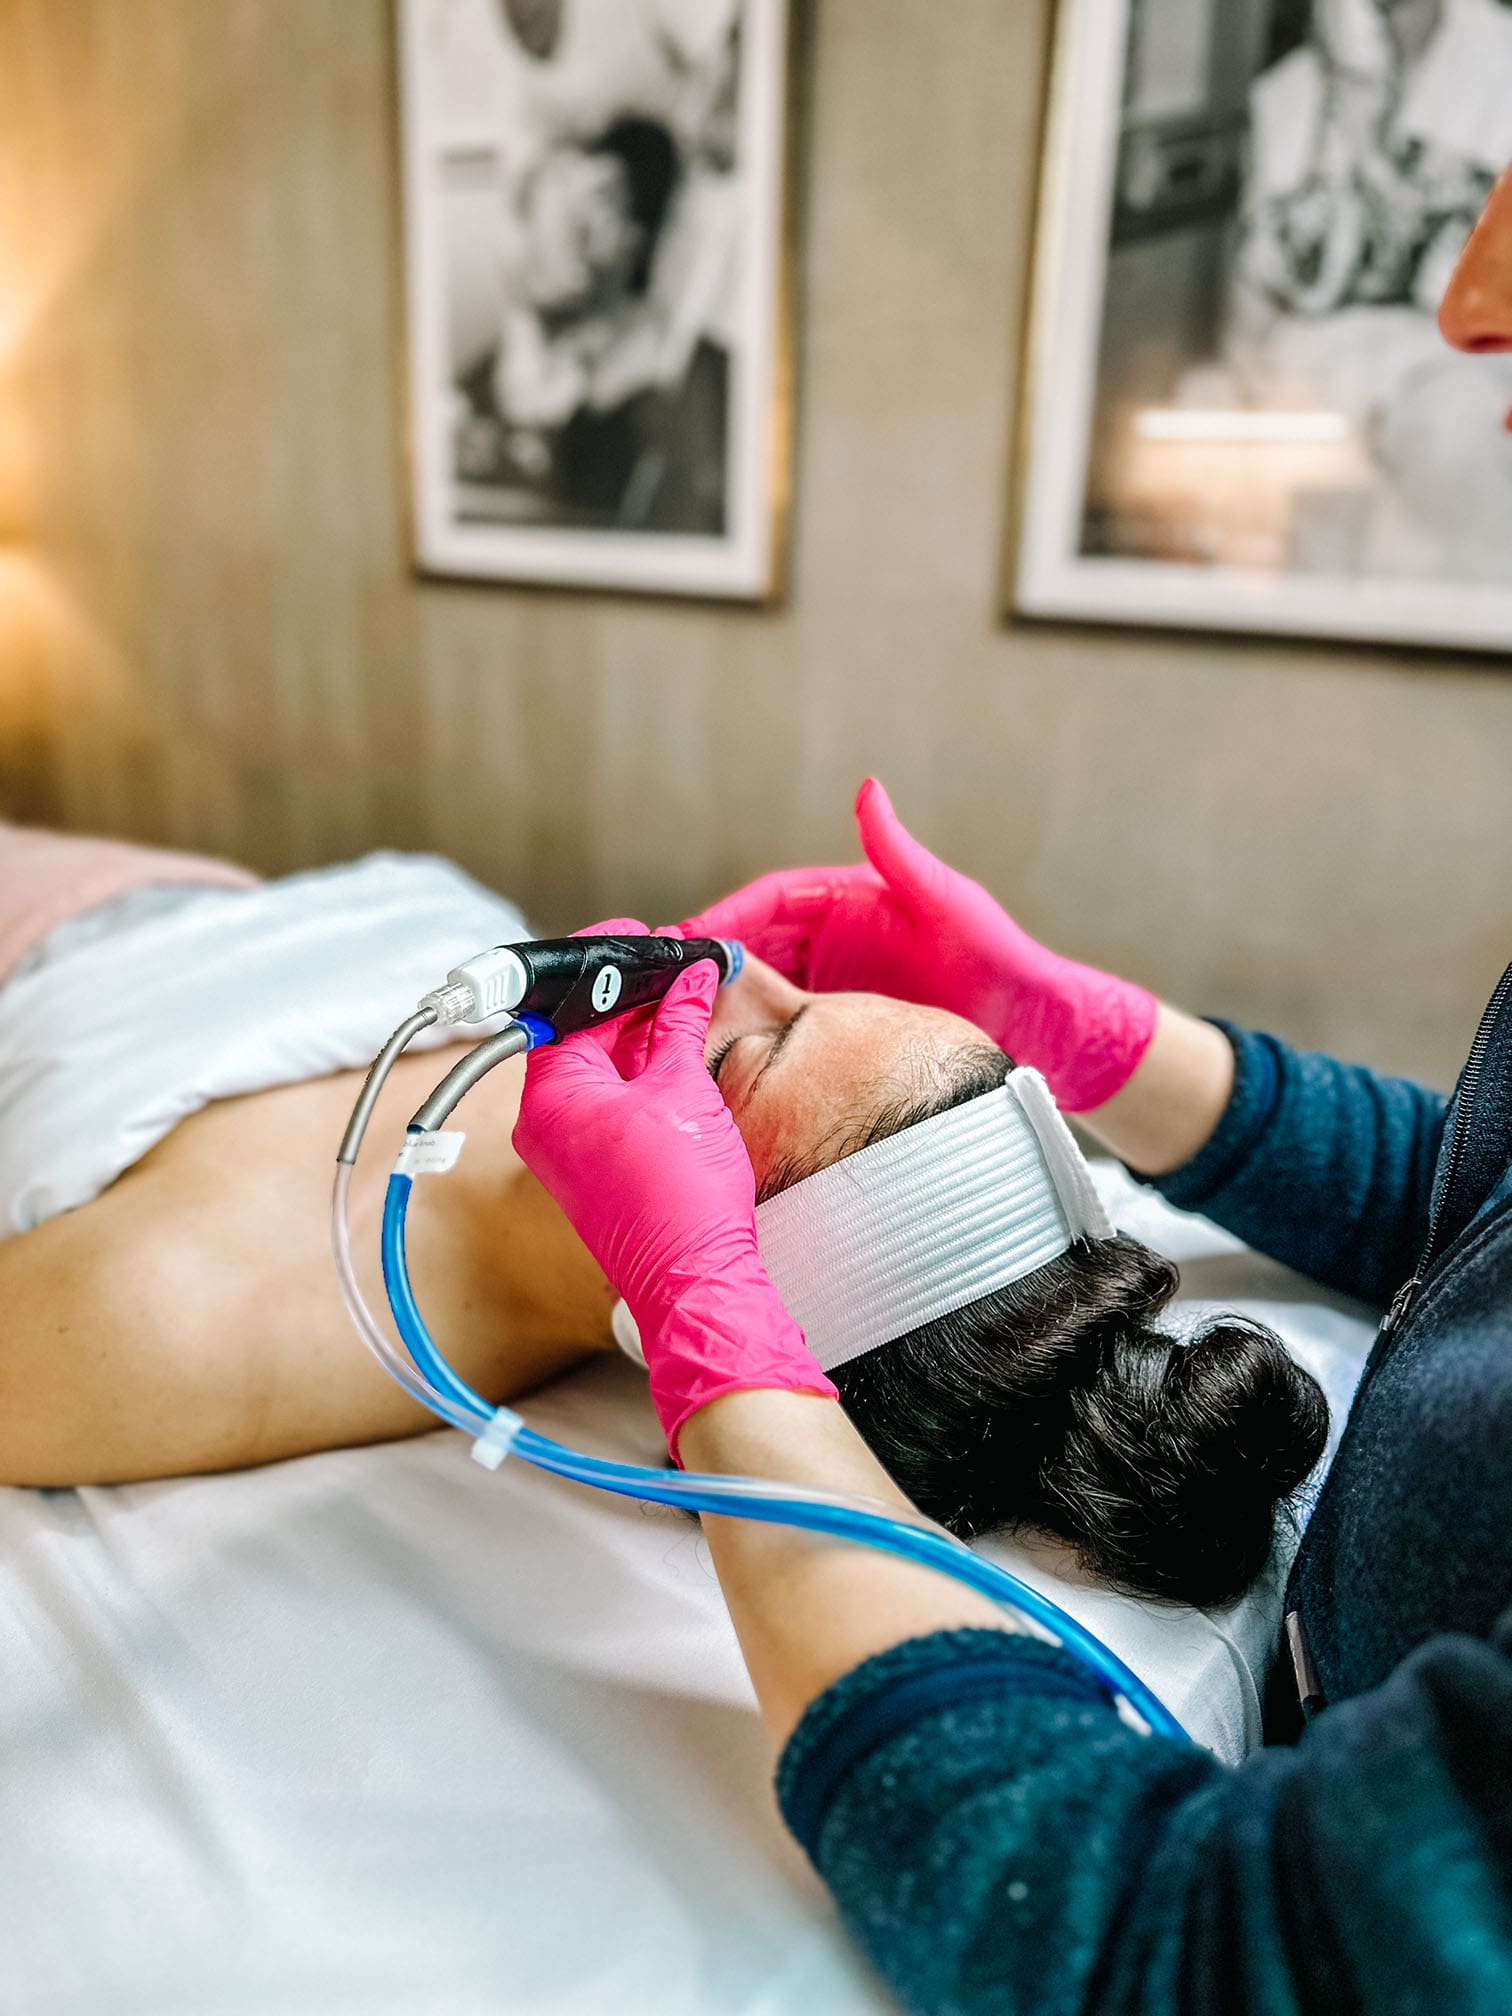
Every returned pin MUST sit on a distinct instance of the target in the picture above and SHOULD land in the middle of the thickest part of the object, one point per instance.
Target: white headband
(925, 1222)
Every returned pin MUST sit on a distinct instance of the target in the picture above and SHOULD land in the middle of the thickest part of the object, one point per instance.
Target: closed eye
(778, 1036)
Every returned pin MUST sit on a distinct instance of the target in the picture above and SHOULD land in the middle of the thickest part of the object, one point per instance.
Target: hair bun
(1057, 1403)
(1241, 1387)
(1179, 1454)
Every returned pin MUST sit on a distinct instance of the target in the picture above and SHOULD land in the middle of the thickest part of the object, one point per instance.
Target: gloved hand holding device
(625, 1127)
(907, 925)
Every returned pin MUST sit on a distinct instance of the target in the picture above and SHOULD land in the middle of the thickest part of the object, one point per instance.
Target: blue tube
(417, 1339)
(724, 1496)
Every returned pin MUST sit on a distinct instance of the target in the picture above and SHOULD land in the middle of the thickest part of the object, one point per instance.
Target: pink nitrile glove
(907, 925)
(626, 1129)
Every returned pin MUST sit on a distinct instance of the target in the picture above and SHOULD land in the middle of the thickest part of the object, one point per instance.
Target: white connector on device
(491, 983)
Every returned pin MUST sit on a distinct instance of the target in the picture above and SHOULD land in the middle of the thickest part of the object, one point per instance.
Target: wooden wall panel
(210, 634)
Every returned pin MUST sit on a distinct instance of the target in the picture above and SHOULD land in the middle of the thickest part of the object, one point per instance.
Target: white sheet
(375, 1732)
(115, 1035)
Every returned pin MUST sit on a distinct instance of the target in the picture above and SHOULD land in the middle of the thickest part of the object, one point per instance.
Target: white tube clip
(498, 1438)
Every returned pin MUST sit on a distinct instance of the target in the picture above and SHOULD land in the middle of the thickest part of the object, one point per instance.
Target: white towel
(109, 1041)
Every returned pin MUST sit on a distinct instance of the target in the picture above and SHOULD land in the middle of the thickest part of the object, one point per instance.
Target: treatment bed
(376, 1732)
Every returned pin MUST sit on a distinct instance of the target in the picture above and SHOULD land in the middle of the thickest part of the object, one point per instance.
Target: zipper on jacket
(1464, 1111)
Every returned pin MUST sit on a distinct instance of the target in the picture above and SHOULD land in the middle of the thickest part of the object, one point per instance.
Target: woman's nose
(760, 995)
(1476, 311)
(762, 987)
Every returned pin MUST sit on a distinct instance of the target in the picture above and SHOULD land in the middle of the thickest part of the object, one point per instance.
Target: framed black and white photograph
(1238, 410)
(597, 290)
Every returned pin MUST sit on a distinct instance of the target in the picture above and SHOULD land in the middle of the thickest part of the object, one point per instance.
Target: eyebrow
(779, 1043)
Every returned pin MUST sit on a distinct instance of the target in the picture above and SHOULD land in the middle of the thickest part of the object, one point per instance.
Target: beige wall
(209, 633)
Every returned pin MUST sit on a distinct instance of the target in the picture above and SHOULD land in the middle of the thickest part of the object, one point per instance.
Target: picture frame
(597, 284)
(1237, 412)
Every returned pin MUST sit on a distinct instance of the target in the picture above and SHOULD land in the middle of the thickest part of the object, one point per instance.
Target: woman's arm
(997, 1839)
(1171, 1106)
(808, 1609)
(1325, 1166)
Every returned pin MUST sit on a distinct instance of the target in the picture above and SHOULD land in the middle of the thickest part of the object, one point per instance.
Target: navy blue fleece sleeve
(1325, 1166)
(998, 1841)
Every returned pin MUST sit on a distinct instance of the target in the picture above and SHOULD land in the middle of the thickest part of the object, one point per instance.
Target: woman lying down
(180, 1048)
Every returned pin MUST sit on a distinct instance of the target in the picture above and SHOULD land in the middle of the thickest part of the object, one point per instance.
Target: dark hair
(648, 154)
(1059, 1404)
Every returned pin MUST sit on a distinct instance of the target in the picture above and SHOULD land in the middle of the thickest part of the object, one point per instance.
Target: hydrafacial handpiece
(574, 982)
(425, 1374)
(550, 986)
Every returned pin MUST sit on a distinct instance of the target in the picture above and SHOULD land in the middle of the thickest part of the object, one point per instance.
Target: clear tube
(387, 1353)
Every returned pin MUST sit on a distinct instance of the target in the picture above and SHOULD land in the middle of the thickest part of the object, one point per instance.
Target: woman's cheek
(759, 1144)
